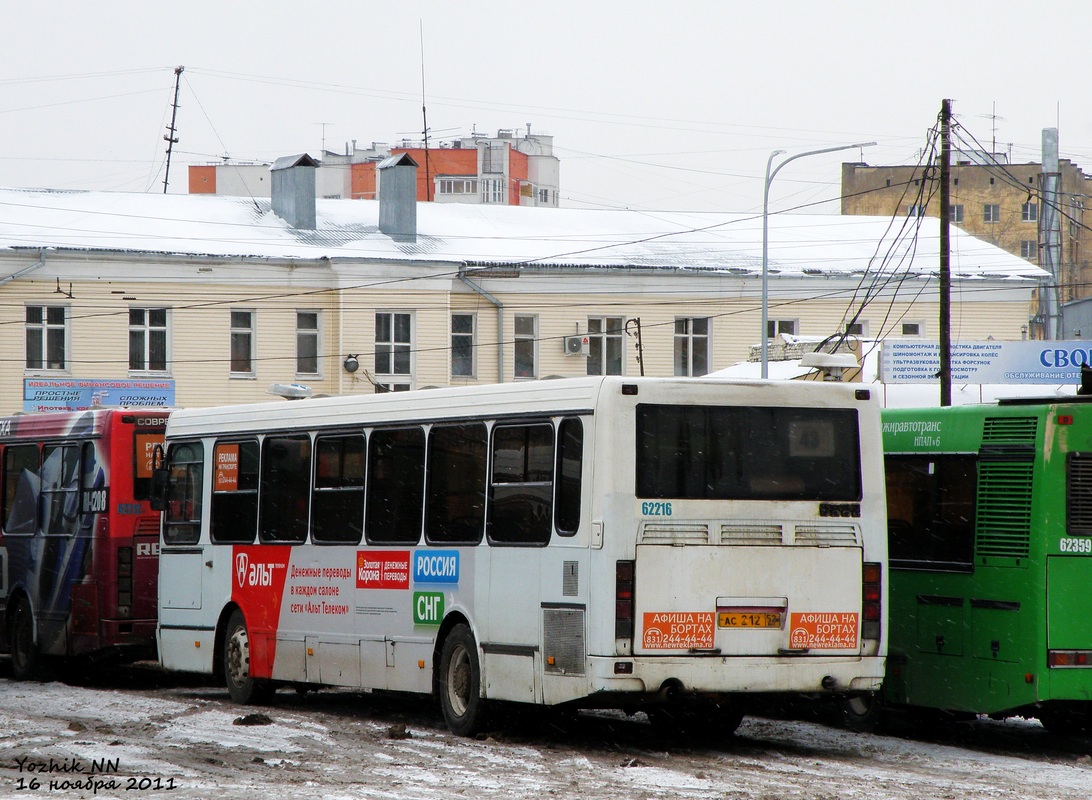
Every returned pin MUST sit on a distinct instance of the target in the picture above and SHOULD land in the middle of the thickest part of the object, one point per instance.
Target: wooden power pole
(945, 252)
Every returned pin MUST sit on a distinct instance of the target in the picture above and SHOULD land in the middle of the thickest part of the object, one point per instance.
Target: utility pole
(945, 262)
(171, 137)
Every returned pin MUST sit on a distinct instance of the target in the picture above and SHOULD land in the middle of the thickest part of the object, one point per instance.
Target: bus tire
(862, 713)
(242, 688)
(460, 683)
(25, 660)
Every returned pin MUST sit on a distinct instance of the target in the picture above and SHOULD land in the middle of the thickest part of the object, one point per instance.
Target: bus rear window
(747, 453)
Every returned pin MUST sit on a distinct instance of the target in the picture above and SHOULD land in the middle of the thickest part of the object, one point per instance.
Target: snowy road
(140, 734)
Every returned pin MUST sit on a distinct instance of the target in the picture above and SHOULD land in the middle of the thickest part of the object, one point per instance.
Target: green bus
(990, 545)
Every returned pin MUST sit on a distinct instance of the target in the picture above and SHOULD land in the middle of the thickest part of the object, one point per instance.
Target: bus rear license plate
(730, 619)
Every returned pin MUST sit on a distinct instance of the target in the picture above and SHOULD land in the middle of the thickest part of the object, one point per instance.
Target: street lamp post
(766, 236)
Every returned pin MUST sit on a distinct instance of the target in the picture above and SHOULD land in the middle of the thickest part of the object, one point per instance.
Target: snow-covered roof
(488, 235)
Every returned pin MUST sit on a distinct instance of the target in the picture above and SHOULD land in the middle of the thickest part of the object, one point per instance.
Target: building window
(462, 345)
(605, 345)
(916, 211)
(911, 329)
(393, 349)
(857, 328)
(307, 342)
(1029, 212)
(544, 197)
(526, 336)
(493, 157)
(991, 212)
(457, 186)
(778, 326)
(46, 337)
(147, 340)
(691, 346)
(955, 214)
(494, 190)
(242, 342)
(1029, 248)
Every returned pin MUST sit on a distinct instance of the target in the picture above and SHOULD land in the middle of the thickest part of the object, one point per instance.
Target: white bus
(669, 545)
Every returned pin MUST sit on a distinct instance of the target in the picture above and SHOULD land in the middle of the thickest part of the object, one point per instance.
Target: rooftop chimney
(293, 188)
(398, 197)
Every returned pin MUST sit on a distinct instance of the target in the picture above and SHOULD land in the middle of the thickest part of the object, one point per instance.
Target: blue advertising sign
(435, 566)
(1025, 362)
(80, 394)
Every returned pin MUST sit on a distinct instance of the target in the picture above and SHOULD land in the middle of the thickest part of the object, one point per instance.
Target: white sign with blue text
(1029, 362)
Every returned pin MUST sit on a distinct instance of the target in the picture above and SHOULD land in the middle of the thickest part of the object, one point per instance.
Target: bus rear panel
(991, 560)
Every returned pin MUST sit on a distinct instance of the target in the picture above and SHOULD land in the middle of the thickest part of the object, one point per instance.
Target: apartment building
(507, 169)
(198, 301)
(991, 199)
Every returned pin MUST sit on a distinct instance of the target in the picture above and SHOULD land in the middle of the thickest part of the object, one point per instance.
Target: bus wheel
(460, 683)
(24, 655)
(242, 688)
(1065, 721)
(861, 712)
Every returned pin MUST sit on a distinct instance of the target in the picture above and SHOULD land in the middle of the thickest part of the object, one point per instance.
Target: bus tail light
(623, 600)
(1069, 658)
(125, 581)
(871, 600)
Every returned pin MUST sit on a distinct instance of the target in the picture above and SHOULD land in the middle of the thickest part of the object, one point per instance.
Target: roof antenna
(171, 136)
(424, 117)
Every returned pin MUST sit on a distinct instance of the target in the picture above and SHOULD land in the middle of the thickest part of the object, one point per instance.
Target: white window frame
(920, 327)
(465, 338)
(525, 341)
(1029, 212)
(456, 185)
(601, 340)
(313, 334)
(1029, 248)
(44, 327)
(955, 213)
(862, 326)
(991, 213)
(239, 331)
(687, 342)
(145, 330)
(916, 211)
(389, 350)
(494, 190)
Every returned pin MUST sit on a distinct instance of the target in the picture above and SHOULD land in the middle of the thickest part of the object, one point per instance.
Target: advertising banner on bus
(1024, 362)
(81, 394)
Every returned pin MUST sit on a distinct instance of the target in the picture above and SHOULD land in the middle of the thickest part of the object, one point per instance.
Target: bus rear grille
(1009, 429)
(1079, 494)
(827, 535)
(1003, 513)
(751, 535)
(674, 533)
(563, 640)
(147, 526)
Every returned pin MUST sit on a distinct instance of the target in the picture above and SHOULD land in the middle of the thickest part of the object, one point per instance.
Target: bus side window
(521, 486)
(60, 489)
(185, 468)
(455, 501)
(22, 487)
(337, 500)
(931, 510)
(234, 517)
(285, 489)
(567, 481)
(396, 486)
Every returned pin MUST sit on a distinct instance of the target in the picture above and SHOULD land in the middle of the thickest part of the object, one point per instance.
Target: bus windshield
(747, 453)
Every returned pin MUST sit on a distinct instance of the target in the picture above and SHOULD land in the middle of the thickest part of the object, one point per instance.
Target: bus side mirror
(160, 481)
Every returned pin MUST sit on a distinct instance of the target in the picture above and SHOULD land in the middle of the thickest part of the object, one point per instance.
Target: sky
(652, 105)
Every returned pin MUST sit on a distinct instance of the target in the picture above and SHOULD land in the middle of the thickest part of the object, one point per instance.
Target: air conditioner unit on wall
(577, 346)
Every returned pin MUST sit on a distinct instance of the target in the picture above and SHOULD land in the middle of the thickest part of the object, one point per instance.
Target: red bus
(79, 551)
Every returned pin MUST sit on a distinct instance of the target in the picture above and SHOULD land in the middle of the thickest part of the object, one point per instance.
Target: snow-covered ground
(179, 739)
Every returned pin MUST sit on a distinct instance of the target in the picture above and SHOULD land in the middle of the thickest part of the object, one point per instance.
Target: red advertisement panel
(382, 569)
